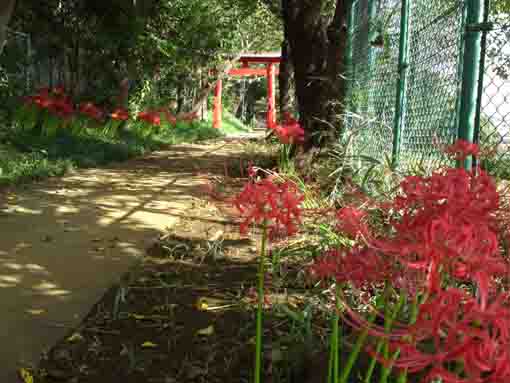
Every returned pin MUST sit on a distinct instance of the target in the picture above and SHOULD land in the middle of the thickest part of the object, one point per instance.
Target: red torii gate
(270, 71)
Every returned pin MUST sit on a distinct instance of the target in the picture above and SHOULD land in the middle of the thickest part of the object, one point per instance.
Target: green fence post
(460, 66)
(372, 14)
(350, 34)
(470, 73)
(349, 70)
(483, 57)
(403, 64)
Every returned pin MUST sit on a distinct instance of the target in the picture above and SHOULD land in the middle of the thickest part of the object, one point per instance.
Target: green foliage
(90, 46)
(27, 155)
(230, 124)
(501, 6)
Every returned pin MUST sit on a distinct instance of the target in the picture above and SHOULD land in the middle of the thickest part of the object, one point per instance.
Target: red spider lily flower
(459, 332)
(152, 118)
(456, 331)
(43, 102)
(447, 224)
(62, 107)
(462, 149)
(171, 119)
(90, 110)
(351, 221)
(290, 131)
(360, 266)
(252, 170)
(444, 230)
(289, 134)
(120, 114)
(276, 205)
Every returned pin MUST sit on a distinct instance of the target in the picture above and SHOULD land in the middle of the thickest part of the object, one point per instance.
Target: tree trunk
(6, 10)
(317, 44)
(286, 79)
(180, 94)
(251, 100)
(209, 83)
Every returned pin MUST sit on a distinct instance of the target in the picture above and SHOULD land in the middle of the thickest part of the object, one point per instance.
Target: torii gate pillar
(271, 97)
(217, 112)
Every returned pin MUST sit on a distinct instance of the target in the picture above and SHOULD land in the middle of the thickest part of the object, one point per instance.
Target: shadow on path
(66, 241)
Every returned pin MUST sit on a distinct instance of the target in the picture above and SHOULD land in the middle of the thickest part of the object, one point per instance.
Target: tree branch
(6, 11)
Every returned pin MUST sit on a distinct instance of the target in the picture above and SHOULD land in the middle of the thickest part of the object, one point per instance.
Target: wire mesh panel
(495, 98)
(434, 41)
(374, 67)
(435, 33)
(373, 75)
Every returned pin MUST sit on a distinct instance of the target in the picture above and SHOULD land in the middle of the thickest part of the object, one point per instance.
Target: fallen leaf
(137, 316)
(202, 304)
(26, 376)
(149, 345)
(71, 229)
(36, 311)
(208, 331)
(76, 337)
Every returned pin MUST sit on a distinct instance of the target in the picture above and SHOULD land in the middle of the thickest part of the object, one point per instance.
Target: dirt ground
(182, 311)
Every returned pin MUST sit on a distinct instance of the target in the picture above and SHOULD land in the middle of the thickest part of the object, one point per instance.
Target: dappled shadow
(65, 241)
(183, 319)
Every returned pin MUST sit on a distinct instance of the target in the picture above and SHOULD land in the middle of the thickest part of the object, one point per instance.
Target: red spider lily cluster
(90, 110)
(54, 101)
(462, 149)
(275, 205)
(445, 233)
(290, 132)
(185, 117)
(59, 104)
(120, 114)
(151, 117)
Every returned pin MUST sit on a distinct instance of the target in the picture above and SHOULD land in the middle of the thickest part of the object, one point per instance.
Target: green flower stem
(353, 355)
(371, 367)
(386, 370)
(333, 351)
(261, 275)
(334, 354)
(336, 369)
(414, 315)
(385, 298)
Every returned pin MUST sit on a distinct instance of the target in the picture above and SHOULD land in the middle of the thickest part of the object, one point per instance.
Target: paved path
(65, 241)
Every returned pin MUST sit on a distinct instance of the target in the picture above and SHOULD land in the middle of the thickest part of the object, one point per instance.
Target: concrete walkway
(65, 241)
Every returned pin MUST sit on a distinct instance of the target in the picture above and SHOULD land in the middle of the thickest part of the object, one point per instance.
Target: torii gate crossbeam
(271, 71)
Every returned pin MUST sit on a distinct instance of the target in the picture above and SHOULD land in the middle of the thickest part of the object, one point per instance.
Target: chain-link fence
(374, 72)
(409, 68)
(494, 98)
